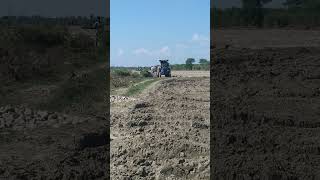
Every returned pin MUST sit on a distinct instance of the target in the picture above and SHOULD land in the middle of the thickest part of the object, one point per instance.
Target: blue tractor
(165, 68)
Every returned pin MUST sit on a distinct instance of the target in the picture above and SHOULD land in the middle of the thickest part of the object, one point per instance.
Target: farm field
(53, 108)
(191, 73)
(162, 132)
(265, 102)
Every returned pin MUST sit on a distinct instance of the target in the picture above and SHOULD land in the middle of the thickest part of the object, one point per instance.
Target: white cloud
(141, 51)
(199, 38)
(164, 50)
(120, 52)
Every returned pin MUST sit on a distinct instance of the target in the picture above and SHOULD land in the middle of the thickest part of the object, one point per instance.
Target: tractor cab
(165, 68)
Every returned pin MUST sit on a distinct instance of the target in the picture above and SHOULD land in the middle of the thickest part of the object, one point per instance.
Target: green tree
(204, 64)
(189, 63)
(203, 61)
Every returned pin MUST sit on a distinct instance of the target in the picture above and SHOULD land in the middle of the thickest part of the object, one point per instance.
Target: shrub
(43, 35)
(145, 73)
(81, 41)
(122, 72)
(79, 95)
(135, 74)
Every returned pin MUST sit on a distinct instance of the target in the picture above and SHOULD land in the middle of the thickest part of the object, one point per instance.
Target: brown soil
(164, 134)
(265, 106)
(49, 145)
(65, 142)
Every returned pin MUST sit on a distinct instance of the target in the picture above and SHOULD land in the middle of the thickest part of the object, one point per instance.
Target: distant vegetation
(135, 81)
(83, 21)
(31, 51)
(190, 64)
(295, 13)
(122, 77)
(45, 51)
(122, 72)
(203, 65)
(84, 94)
(145, 73)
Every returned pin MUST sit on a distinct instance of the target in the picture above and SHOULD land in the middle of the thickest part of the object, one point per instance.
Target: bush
(81, 41)
(122, 72)
(80, 95)
(135, 74)
(43, 35)
(145, 73)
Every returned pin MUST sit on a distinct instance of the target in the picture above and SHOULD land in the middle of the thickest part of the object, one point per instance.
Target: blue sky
(143, 31)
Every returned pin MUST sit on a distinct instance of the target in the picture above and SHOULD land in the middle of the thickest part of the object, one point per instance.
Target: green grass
(124, 78)
(138, 88)
(83, 95)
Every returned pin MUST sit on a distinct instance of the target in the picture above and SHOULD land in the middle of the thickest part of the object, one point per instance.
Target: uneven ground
(49, 145)
(53, 126)
(163, 133)
(265, 109)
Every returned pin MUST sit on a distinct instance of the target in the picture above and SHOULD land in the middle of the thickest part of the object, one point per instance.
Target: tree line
(84, 21)
(190, 64)
(203, 64)
(293, 13)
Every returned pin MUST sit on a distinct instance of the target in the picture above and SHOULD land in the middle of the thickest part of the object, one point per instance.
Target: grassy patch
(124, 82)
(36, 55)
(122, 72)
(138, 88)
(44, 52)
(124, 78)
(145, 73)
(83, 95)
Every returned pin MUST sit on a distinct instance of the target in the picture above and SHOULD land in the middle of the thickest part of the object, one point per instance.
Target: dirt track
(163, 134)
